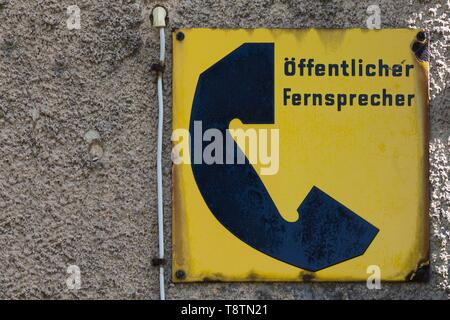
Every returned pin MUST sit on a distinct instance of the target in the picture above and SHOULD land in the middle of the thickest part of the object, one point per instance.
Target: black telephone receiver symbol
(241, 85)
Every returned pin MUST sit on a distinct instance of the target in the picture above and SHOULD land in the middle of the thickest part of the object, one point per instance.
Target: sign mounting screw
(180, 36)
(421, 36)
(180, 274)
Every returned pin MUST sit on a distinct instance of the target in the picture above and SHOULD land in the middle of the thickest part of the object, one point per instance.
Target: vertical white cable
(159, 185)
(162, 44)
(159, 15)
(159, 165)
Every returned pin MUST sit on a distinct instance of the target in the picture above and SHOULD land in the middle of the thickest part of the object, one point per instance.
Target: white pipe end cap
(159, 17)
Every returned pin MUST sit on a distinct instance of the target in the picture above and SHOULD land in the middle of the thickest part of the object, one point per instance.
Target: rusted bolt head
(180, 36)
(422, 274)
(180, 274)
(421, 36)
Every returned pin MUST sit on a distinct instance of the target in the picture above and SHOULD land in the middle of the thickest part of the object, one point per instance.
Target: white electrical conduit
(159, 16)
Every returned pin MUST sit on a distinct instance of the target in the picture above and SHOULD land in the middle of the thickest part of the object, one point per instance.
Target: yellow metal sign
(299, 155)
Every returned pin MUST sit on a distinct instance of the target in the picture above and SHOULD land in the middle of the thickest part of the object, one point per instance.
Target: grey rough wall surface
(57, 207)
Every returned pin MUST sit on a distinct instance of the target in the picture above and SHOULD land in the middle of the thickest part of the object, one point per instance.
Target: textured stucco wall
(57, 207)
